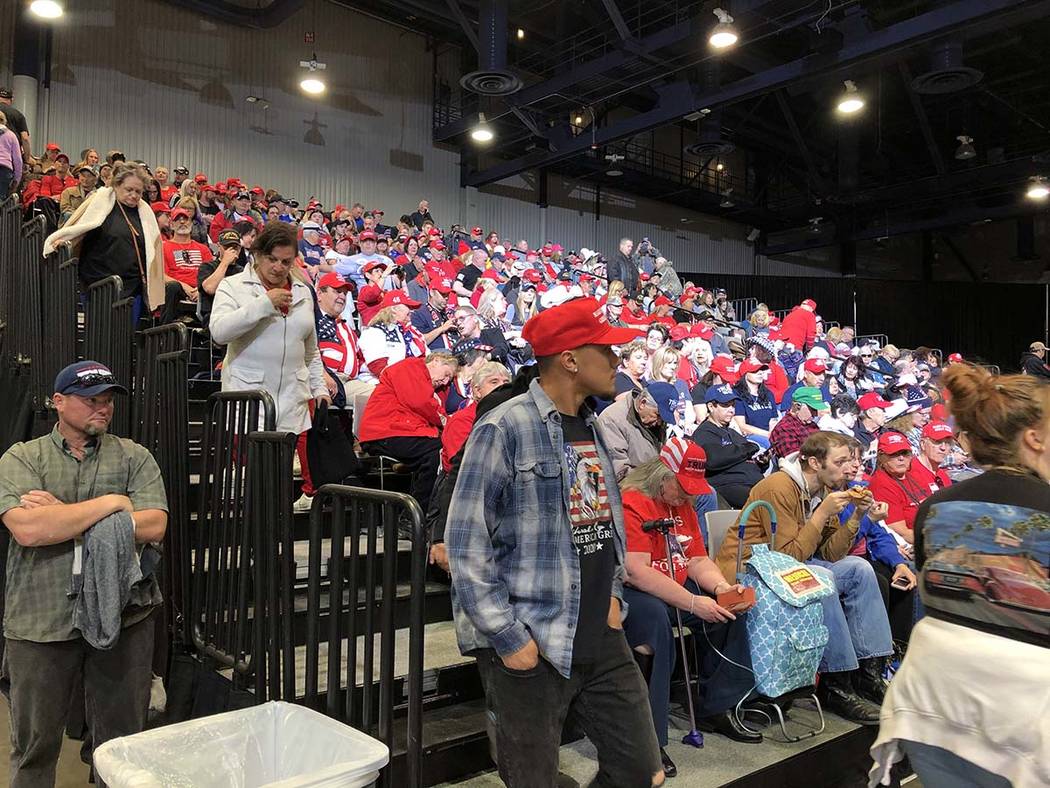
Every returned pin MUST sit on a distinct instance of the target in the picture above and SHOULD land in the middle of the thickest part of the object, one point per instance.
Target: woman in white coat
(265, 317)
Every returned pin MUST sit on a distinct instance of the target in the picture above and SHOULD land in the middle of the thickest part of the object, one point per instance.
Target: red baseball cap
(937, 431)
(893, 443)
(397, 298)
(332, 279)
(434, 232)
(52, 146)
(810, 303)
(159, 208)
(368, 267)
(724, 367)
(438, 244)
(680, 332)
(532, 275)
(663, 301)
(200, 178)
(475, 231)
(492, 273)
(955, 358)
(442, 286)
(702, 331)
(547, 250)
(256, 190)
(573, 324)
(175, 214)
(815, 366)
(367, 235)
(747, 365)
(688, 461)
(872, 400)
(643, 276)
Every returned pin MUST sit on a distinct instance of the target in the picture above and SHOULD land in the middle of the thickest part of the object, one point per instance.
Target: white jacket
(266, 350)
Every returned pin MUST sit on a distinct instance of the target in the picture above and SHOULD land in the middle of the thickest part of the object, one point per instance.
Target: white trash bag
(276, 745)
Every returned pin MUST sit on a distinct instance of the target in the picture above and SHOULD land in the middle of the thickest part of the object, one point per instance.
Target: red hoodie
(403, 404)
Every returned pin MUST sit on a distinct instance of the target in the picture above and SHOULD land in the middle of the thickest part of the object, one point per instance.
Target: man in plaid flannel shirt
(536, 544)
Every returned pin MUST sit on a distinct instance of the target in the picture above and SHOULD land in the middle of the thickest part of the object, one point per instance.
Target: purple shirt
(11, 155)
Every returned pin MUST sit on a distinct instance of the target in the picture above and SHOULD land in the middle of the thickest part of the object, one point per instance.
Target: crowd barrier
(366, 522)
(109, 338)
(220, 567)
(882, 339)
(10, 235)
(58, 301)
(26, 327)
(743, 307)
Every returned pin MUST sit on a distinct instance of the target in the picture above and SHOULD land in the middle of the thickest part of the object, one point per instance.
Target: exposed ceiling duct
(263, 17)
(711, 142)
(947, 73)
(492, 77)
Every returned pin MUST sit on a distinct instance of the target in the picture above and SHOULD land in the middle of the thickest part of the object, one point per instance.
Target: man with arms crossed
(536, 546)
(52, 490)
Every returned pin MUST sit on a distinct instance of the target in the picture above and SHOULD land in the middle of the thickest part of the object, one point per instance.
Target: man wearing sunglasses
(56, 492)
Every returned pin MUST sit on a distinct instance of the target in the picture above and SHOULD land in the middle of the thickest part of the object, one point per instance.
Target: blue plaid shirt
(515, 572)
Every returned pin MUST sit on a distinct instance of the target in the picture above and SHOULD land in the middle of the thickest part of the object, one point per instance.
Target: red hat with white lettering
(573, 324)
(873, 400)
(688, 461)
(937, 431)
(397, 298)
(815, 366)
(809, 302)
(955, 358)
(332, 279)
(725, 368)
(893, 443)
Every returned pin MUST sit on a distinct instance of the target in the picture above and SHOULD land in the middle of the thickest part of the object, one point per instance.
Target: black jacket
(728, 453)
(624, 268)
(1031, 364)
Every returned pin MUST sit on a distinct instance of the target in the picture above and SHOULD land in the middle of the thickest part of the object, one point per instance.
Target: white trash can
(277, 745)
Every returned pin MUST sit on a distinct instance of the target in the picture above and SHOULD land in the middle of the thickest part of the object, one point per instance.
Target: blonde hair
(647, 478)
(441, 357)
(834, 335)
(660, 359)
(487, 369)
(993, 410)
(488, 299)
(903, 423)
(632, 347)
(384, 317)
(760, 318)
(616, 288)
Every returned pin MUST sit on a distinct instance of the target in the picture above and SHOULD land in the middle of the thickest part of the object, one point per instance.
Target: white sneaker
(303, 504)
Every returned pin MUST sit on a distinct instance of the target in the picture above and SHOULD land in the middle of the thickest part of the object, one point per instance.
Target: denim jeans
(606, 698)
(705, 503)
(856, 619)
(939, 768)
(722, 684)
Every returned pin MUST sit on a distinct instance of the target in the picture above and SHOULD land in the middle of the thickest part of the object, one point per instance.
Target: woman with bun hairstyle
(969, 705)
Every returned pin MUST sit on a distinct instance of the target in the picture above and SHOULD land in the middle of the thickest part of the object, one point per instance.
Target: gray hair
(648, 478)
(124, 170)
(488, 369)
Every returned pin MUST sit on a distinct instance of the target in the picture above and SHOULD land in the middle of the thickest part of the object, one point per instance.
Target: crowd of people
(548, 404)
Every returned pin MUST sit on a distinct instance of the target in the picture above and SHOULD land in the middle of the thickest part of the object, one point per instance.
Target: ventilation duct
(492, 77)
(947, 73)
(711, 142)
(234, 14)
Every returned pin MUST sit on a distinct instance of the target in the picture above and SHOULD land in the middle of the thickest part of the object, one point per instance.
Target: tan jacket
(630, 442)
(797, 536)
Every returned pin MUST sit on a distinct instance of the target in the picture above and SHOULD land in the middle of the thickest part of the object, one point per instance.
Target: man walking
(536, 546)
(54, 492)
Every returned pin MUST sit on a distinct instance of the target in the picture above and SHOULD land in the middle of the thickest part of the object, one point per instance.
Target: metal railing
(109, 338)
(10, 233)
(221, 567)
(25, 336)
(160, 416)
(59, 312)
(743, 307)
(882, 339)
(358, 604)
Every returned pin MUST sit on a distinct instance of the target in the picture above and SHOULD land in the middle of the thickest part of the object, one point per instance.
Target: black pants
(7, 176)
(43, 676)
(735, 494)
(173, 296)
(900, 605)
(421, 455)
(607, 699)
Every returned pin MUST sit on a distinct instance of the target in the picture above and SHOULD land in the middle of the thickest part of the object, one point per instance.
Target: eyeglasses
(94, 379)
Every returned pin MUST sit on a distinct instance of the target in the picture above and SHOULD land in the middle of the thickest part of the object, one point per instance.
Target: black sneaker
(670, 770)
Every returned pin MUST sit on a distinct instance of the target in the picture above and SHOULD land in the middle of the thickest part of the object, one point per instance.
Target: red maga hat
(579, 322)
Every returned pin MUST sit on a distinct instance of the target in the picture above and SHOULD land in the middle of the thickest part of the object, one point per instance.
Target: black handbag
(330, 448)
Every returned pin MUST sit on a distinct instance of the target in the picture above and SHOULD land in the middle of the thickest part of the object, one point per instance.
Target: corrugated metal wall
(8, 10)
(168, 86)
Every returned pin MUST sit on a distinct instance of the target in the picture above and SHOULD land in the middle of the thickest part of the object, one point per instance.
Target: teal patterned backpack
(785, 628)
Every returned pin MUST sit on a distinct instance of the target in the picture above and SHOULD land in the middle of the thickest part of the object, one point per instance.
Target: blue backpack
(785, 628)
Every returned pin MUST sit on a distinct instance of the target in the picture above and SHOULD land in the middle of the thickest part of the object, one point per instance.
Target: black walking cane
(694, 737)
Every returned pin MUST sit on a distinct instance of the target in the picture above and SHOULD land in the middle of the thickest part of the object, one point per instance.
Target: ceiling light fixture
(723, 34)
(482, 132)
(521, 34)
(850, 101)
(965, 150)
(727, 199)
(1038, 188)
(613, 159)
(720, 166)
(311, 82)
(46, 9)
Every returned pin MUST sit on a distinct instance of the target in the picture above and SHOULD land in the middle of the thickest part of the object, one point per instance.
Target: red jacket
(51, 185)
(457, 430)
(403, 404)
(799, 328)
(777, 382)
(903, 496)
(227, 219)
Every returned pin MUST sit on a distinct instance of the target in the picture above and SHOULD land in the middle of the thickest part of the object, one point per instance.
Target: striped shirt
(515, 570)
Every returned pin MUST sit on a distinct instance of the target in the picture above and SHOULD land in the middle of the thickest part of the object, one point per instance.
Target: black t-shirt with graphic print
(590, 516)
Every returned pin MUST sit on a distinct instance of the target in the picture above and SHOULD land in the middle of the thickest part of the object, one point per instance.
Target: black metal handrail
(58, 312)
(160, 422)
(10, 240)
(221, 567)
(367, 578)
(26, 334)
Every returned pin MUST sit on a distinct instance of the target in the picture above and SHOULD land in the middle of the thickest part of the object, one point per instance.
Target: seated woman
(390, 336)
(404, 416)
(471, 354)
(756, 408)
(664, 488)
(892, 483)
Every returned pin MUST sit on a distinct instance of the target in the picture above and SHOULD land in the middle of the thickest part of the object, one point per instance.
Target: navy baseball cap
(86, 379)
(723, 394)
(666, 398)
